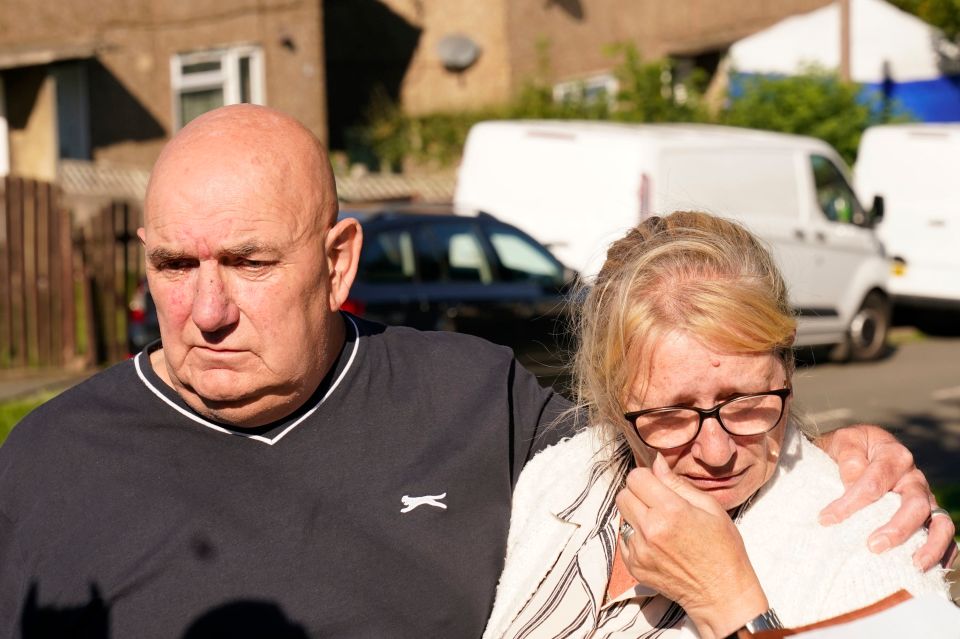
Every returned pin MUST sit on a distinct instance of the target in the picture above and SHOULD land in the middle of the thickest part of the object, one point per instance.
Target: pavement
(15, 384)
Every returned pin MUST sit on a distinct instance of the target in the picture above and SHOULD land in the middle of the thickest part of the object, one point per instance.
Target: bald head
(247, 264)
(257, 143)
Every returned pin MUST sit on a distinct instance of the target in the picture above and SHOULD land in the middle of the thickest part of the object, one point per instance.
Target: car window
(523, 260)
(387, 257)
(453, 252)
(834, 195)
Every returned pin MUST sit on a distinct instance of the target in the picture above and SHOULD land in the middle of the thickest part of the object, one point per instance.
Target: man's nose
(714, 446)
(213, 307)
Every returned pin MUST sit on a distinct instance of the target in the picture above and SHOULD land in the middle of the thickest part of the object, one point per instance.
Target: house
(112, 81)
(447, 55)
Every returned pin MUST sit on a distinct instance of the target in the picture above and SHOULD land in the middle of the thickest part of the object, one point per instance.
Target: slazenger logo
(410, 503)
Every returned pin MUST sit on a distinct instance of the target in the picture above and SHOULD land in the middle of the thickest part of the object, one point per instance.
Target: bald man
(274, 467)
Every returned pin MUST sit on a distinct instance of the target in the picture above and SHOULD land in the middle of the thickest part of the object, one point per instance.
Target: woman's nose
(714, 446)
(213, 307)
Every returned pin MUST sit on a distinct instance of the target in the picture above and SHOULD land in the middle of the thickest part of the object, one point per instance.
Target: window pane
(466, 258)
(245, 79)
(387, 258)
(196, 103)
(522, 260)
(458, 253)
(200, 67)
(834, 195)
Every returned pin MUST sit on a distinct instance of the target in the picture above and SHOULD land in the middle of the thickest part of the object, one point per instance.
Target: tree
(816, 103)
(649, 92)
(943, 14)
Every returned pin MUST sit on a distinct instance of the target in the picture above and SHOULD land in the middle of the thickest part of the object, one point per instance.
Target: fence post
(55, 283)
(66, 249)
(85, 267)
(18, 335)
(30, 273)
(6, 328)
(42, 306)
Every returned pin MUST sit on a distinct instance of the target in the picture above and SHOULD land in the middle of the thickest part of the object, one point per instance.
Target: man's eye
(175, 265)
(252, 264)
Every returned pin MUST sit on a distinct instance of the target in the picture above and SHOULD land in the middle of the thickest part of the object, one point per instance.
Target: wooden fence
(112, 256)
(64, 285)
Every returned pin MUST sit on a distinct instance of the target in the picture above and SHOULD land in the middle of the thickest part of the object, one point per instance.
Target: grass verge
(14, 410)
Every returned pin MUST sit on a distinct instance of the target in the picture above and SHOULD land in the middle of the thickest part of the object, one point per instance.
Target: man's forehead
(253, 161)
(234, 193)
(249, 248)
(228, 226)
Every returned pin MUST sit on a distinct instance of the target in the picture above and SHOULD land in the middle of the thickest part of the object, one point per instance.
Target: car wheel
(867, 335)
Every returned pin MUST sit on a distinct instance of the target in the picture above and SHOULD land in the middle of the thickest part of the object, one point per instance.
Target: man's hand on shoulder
(872, 462)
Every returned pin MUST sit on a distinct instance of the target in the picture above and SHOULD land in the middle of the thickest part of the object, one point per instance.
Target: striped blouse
(571, 602)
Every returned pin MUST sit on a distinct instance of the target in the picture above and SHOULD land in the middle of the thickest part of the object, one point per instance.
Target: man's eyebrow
(162, 254)
(247, 249)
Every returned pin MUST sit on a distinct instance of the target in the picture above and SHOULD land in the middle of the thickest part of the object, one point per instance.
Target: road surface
(914, 392)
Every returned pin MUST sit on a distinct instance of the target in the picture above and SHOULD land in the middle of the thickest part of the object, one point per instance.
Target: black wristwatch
(764, 621)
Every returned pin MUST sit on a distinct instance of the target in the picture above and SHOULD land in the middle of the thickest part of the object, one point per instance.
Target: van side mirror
(876, 211)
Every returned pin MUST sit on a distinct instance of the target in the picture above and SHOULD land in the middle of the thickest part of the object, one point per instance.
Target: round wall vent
(457, 52)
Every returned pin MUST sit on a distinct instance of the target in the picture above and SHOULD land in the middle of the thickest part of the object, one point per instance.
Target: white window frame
(577, 89)
(227, 78)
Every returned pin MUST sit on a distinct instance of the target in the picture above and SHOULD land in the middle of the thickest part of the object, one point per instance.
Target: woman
(696, 475)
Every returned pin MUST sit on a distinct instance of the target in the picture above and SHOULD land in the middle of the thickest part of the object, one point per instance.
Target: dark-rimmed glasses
(676, 426)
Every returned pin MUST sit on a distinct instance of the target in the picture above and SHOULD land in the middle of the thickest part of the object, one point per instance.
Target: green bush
(649, 92)
(647, 95)
(816, 103)
(943, 14)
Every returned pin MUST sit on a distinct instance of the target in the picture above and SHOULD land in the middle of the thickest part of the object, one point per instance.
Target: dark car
(438, 271)
(474, 275)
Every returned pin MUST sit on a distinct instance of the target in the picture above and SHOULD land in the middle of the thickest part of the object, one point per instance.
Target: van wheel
(867, 334)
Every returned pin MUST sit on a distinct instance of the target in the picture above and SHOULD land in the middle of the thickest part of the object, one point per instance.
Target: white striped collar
(260, 438)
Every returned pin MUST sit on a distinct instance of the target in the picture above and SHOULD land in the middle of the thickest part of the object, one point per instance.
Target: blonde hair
(690, 272)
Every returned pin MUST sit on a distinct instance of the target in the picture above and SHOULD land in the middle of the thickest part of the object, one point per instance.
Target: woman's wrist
(730, 615)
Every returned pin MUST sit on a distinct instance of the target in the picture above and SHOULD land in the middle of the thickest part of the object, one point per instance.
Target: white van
(915, 168)
(576, 186)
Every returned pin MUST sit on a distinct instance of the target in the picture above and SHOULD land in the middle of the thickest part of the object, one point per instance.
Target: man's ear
(342, 249)
(142, 234)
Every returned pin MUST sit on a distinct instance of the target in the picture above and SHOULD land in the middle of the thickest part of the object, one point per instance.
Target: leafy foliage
(649, 93)
(816, 103)
(943, 14)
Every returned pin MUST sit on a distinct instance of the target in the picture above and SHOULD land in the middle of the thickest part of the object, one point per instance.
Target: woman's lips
(708, 482)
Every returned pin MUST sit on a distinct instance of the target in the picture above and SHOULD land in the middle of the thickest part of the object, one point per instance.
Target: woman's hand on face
(687, 548)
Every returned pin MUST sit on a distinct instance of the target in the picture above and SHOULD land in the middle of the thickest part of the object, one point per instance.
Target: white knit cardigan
(809, 572)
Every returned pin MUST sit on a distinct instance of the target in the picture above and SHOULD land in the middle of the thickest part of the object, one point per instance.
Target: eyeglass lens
(674, 427)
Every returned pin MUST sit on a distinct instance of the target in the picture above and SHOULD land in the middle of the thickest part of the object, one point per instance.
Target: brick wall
(577, 31)
(129, 81)
(427, 86)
